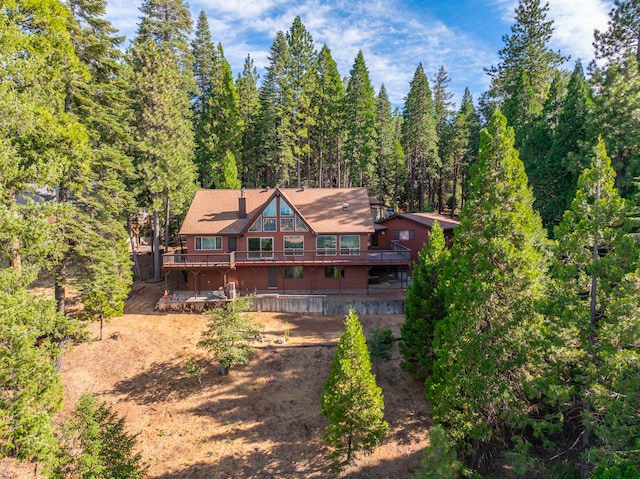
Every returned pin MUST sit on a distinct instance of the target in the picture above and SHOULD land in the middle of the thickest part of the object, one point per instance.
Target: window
(257, 225)
(293, 272)
(271, 209)
(333, 272)
(403, 235)
(269, 224)
(285, 209)
(300, 226)
(208, 242)
(260, 247)
(286, 224)
(349, 245)
(326, 245)
(294, 245)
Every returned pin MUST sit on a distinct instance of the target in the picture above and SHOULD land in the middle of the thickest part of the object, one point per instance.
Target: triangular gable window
(282, 218)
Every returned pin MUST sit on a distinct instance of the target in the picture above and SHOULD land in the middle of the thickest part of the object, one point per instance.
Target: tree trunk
(59, 290)
(455, 185)
(166, 227)
(157, 266)
(16, 260)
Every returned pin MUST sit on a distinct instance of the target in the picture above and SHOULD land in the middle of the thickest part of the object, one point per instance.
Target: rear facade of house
(282, 240)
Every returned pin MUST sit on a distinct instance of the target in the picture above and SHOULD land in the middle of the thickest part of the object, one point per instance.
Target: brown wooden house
(284, 240)
(411, 230)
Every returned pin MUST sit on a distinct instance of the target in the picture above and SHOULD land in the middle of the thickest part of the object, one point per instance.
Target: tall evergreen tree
(521, 107)
(30, 389)
(96, 253)
(164, 135)
(623, 35)
(360, 126)
(424, 306)
(169, 23)
(617, 115)
(327, 134)
(442, 105)
(594, 328)
(272, 156)
(386, 144)
(94, 444)
(229, 173)
(204, 61)
(526, 51)
(465, 141)
(303, 77)
(565, 136)
(351, 400)
(420, 140)
(220, 126)
(486, 346)
(249, 107)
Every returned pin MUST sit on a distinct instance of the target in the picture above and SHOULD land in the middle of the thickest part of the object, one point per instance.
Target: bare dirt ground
(261, 421)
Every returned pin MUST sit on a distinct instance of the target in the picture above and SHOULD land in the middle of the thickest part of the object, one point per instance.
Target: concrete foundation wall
(327, 305)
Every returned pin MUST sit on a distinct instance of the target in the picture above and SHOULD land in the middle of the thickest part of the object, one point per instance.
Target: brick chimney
(242, 204)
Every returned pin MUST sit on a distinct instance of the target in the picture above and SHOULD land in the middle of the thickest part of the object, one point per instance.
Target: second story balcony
(397, 256)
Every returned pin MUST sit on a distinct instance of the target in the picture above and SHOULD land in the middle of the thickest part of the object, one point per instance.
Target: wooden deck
(184, 261)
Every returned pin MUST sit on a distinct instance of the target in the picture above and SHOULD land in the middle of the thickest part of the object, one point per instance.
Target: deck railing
(397, 255)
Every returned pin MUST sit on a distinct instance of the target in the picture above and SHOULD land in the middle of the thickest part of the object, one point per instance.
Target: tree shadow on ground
(168, 381)
(274, 404)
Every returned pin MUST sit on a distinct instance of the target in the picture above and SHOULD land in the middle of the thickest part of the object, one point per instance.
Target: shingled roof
(427, 219)
(325, 210)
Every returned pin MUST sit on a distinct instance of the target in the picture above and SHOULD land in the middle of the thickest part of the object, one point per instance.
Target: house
(281, 240)
(411, 230)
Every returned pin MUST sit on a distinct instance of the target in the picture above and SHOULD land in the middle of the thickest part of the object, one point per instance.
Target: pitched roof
(325, 210)
(427, 219)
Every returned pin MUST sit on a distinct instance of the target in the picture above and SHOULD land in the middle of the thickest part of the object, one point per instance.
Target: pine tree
(229, 334)
(272, 155)
(465, 141)
(204, 61)
(164, 135)
(351, 400)
(616, 113)
(31, 390)
(97, 255)
(486, 347)
(220, 126)
(594, 319)
(439, 459)
(444, 129)
(526, 51)
(168, 23)
(420, 141)
(424, 306)
(303, 75)
(623, 34)
(327, 133)
(249, 107)
(39, 141)
(360, 127)
(565, 158)
(95, 444)
(229, 173)
(385, 146)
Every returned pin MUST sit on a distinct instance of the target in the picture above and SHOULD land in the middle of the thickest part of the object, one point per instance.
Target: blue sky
(394, 35)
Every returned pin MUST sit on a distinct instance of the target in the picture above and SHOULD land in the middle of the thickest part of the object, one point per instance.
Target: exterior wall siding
(250, 279)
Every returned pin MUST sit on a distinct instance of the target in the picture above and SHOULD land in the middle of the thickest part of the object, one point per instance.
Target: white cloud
(393, 36)
(575, 21)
